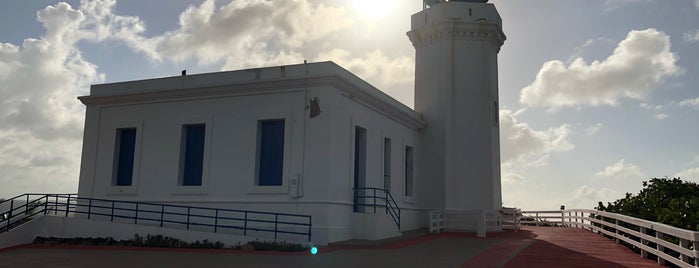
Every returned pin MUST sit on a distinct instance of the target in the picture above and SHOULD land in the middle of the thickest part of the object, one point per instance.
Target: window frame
(254, 133)
(132, 189)
(259, 152)
(184, 146)
(180, 189)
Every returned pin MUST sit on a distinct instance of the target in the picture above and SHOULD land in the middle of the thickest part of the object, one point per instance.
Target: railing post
(46, 205)
(684, 244)
(216, 222)
(660, 248)
(55, 206)
(563, 219)
(276, 220)
(188, 210)
(374, 200)
(26, 206)
(644, 253)
(162, 212)
(9, 214)
(310, 223)
(89, 208)
(245, 224)
(112, 214)
(135, 218)
(616, 231)
(356, 197)
(67, 205)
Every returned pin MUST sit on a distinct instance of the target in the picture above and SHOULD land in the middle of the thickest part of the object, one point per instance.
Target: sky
(596, 96)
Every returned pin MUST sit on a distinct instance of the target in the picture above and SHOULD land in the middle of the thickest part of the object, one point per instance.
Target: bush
(670, 201)
(167, 242)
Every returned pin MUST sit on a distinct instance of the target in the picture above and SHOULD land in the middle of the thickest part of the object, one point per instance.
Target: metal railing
(370, 197)
(669, 244)
(22, 208)
(163, 215)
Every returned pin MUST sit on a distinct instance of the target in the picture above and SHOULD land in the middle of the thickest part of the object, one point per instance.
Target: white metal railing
(480, 220)
(511, 218)
(437, 221)
(670, 244)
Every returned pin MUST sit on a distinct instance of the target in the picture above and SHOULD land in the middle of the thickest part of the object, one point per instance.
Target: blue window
(270, 144)
(124, 149)
(192, 154)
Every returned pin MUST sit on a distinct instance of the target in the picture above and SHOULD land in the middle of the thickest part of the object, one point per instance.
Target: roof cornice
(372, 98)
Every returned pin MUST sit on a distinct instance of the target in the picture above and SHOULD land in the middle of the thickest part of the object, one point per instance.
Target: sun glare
(374, 9)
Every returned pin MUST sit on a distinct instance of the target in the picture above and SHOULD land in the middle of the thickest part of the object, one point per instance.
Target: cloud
(522, 144)
(393, 75)
(689, 174)
(40, 119)
(661, 116)
(691, 37)
(592, 130)
(587, 196)
(246, 33)
(656, 110)
(640, 62)
(690, 103)
(620, 169)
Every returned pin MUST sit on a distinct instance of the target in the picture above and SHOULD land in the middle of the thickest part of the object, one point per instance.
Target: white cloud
(393, 75)
(247, 33)
(691, 37)
(40, 119)
(587, 197)
(510, 177)
(656, 109)
(640, 62)
(620, 169)
(661, 116)
(689, 174)
(690, 103)
(522, 144)
(592, 130)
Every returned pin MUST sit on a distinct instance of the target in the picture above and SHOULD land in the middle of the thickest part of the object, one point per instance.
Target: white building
(300, 138)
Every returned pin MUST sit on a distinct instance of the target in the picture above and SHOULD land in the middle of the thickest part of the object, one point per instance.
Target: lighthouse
(456, 90)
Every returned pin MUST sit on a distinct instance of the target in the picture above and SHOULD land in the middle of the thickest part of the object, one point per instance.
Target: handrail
(384, 201)
(667, 243)
(22, 208)
(162, 214)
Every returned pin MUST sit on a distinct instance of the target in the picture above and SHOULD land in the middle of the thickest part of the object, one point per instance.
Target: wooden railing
(668, 244)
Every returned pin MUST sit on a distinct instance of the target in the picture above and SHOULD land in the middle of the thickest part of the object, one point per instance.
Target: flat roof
(321, 73)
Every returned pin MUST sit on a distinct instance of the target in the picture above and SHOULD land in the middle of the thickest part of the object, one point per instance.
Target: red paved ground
(528, 247)
(571, 247)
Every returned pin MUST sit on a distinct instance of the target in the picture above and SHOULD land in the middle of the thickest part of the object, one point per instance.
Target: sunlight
(373, 9)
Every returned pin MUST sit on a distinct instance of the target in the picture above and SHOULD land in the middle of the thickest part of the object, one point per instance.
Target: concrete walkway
(530, 247)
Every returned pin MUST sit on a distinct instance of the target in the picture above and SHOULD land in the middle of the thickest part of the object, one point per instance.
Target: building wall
(456, 90)
(318, 151)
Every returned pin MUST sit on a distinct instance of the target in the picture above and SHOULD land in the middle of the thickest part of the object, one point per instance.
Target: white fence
(478, 220)
(670, 244)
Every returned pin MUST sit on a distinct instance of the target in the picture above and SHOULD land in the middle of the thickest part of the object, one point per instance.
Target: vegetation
(168, 242)
(670, 201)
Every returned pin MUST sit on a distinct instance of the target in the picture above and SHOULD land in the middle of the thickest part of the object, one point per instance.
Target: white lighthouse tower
(456, 90)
